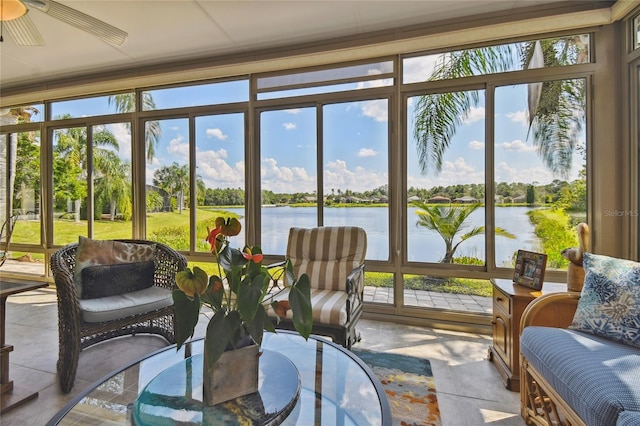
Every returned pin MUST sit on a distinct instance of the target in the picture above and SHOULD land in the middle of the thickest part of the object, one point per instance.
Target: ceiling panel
(162, 31)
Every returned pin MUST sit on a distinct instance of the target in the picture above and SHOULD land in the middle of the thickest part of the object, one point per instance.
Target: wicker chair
(76, 334)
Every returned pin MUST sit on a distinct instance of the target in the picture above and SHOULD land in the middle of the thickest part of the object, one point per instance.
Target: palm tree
(449, 222)
(556, 108)
(126, 102)
(175, 180)
(113, 187)
(70, 160)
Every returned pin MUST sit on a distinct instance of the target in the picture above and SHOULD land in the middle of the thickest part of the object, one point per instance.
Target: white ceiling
(163, 31)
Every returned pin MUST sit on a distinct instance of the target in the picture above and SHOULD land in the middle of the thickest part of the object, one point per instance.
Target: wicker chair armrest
(62, 265)
(528, 316)
(168, 262)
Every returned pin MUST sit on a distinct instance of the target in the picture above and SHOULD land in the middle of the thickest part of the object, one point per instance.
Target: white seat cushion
(328, 307)
(125, 305)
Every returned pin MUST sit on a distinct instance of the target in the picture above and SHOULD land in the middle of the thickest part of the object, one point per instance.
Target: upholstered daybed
(588, 373)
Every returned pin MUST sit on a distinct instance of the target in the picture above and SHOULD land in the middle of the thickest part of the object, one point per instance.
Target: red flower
(281, 308)
(217, 285)
(256, 258)
(212, 238)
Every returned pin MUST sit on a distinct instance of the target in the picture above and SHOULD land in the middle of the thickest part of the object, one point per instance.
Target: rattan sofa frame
(75, 334)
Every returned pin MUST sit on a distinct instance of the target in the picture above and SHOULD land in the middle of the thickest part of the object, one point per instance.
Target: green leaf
(260, 322)
(300, 301)
(187, 311)
(250, 296)
(229, 258)
(289, 275)
(214, 298)
(220, 332)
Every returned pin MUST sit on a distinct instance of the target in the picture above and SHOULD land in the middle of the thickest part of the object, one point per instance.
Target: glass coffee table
(336, 387)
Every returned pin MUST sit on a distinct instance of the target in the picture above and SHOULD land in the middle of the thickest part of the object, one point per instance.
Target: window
(540, 167)
(288, 166)
(445, 178)
(94, 106)
(196, 95)
(112, 187)
(220, 172)
(551, 52)
(338, 79)
(356, 170)
(167, 182)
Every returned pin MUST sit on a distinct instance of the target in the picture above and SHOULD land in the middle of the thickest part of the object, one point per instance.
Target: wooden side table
(10, 395)
(509, 302)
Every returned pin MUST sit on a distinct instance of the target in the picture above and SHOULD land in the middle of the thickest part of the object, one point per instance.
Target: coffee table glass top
(336, 386)
(176, 395)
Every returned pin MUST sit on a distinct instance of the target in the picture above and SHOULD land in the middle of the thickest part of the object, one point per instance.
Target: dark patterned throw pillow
(111, 280)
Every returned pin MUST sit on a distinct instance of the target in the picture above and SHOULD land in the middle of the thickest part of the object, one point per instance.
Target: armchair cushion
(327, 254)
(329, 307)
(108, 252)
(111, 280)
(610, 302)
(125, 305)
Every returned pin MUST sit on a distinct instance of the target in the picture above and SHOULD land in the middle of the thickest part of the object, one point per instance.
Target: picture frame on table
(529, 269)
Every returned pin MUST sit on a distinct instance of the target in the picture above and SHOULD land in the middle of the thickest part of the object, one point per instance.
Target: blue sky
(355, 134)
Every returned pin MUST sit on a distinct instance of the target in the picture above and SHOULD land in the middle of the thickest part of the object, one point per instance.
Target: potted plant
(239, 297)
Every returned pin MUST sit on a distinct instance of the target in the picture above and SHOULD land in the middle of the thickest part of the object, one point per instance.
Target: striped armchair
(333, 258)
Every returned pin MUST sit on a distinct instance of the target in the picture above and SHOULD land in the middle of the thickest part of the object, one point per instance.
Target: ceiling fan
(14, 17)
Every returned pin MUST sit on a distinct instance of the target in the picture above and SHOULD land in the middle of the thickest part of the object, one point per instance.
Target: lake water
(423, 245)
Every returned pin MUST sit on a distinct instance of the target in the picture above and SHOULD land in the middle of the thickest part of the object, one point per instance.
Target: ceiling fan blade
(24, 32)
(101, 29)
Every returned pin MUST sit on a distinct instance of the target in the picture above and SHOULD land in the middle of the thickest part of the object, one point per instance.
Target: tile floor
(469, 389)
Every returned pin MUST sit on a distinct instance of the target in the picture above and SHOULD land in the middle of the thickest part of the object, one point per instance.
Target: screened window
(551, 52)
(94, 106)
(196, 95)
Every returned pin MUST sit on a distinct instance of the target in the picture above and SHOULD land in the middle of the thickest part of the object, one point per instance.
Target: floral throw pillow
(610, 302)
(108, 252)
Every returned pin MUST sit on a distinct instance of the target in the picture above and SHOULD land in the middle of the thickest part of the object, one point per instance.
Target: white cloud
(289, 126)
(293, 111)
(376, 109)
(418, 69)
(217, 133)
(285, 179)
(216, 172)
(338, 175)
(506, 173)
(178, 147)
(474, 114)
(367, 152)
(476, 145)
(122, 134)
(517, 146)
(521, 117)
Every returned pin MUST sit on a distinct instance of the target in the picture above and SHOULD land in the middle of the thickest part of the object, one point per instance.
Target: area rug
(409, 385)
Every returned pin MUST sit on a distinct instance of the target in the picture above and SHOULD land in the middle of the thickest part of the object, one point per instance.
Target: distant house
(466, 200)
(413, 198)
(520, 199)
(439, 199)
